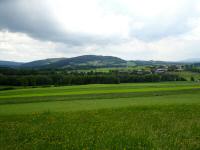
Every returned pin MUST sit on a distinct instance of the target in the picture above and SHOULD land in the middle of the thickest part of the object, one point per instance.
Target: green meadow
(112, 116)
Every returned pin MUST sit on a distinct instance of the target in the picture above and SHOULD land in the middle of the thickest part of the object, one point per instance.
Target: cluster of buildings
(153, 69)
(165, 68)
(162, 69)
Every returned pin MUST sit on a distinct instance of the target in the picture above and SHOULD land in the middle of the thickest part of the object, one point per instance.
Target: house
(161, 70)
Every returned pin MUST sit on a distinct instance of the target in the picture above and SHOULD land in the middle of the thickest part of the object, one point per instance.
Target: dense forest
(31, 77)
(193, 68)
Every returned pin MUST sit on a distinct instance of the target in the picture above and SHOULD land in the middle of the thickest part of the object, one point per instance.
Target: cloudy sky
(130, 29)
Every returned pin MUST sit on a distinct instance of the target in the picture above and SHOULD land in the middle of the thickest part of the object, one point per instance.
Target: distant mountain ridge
(10, 64)
(41, 63)
(152, 62)
(87, 61)
(83, 62)
(192, 60)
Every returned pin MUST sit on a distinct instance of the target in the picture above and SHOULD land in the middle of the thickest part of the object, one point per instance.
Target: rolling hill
(152, 63)
(88, 61)
(41, 63)
(10, 64)
(192, 60)
(84, 62)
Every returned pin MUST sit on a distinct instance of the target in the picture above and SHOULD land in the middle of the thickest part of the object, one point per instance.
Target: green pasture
(119, 116)
(128, 68)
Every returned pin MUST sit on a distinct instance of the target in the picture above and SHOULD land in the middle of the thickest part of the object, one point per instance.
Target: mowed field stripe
(61, 92)
(82, 105)
(101, 96)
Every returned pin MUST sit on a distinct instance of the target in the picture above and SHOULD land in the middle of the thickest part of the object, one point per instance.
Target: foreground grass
(136, 127)
(125, 116)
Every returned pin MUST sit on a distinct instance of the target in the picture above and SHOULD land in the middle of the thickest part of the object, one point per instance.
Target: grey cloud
(28, 17)
(32, 17)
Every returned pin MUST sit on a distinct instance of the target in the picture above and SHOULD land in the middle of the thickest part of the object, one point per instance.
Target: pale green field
(79, 105)
(98, 89)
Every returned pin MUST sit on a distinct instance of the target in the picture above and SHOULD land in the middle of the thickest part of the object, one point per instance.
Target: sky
(166, 30)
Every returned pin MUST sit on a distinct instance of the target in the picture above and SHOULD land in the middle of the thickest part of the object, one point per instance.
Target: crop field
(116, 116)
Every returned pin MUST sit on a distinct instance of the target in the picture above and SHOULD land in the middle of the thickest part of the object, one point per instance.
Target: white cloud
(87, 17)
(20, 47)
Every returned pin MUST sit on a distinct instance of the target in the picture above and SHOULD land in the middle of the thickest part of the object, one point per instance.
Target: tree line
(80, 78)
(193, 68)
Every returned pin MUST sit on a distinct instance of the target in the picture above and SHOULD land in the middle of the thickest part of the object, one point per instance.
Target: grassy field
(128, 68)
(122, 116)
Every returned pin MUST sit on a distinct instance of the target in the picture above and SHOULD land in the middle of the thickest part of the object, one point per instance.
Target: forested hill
(90, 61)
(10, 64)
(84, 62)
(41, 63)
(80, 62)
(197, 64)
